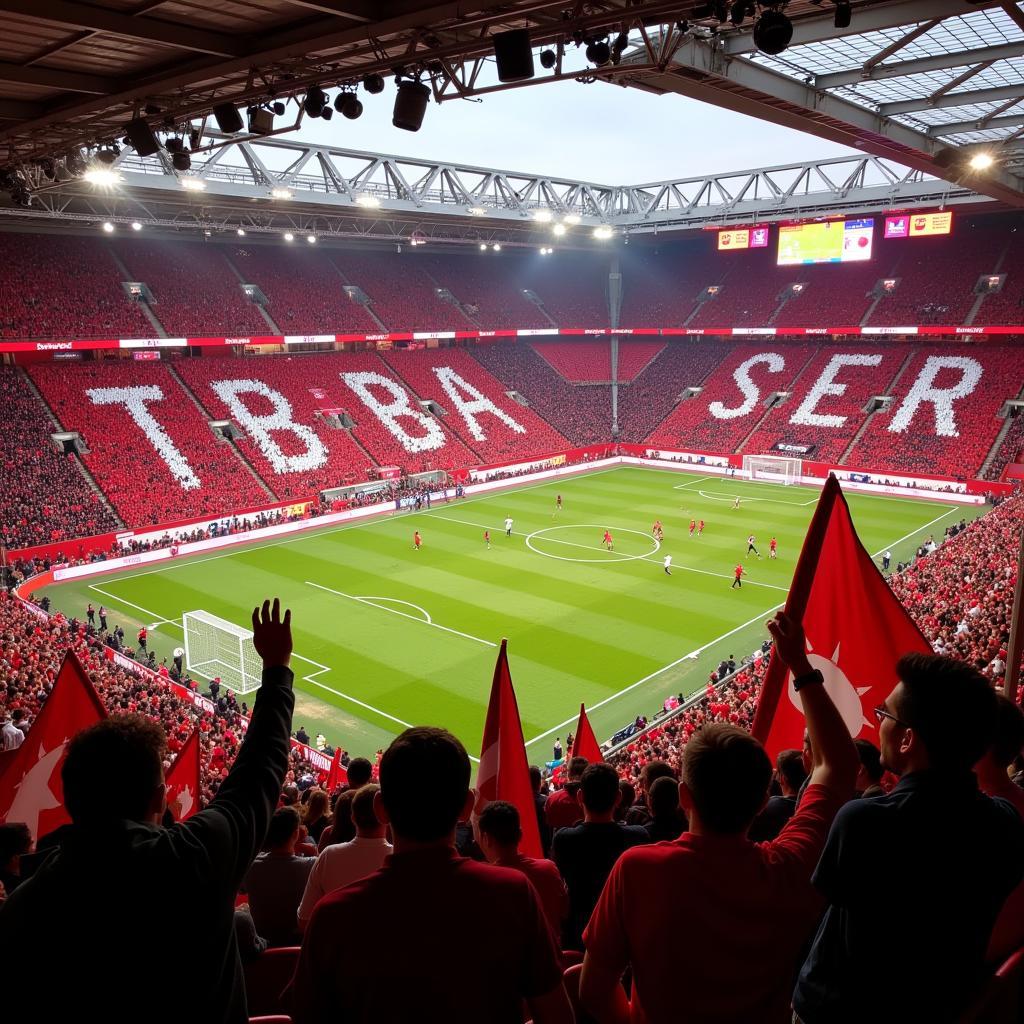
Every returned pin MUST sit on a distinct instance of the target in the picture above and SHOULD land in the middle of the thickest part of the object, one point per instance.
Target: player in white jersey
(668, 565)
(508, 526)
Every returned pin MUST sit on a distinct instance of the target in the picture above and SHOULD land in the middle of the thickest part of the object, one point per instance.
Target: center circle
(613, 556)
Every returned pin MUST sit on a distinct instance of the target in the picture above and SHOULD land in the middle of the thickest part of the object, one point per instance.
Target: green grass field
(387, 636)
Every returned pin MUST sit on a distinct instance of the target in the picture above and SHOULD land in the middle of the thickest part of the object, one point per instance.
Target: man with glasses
(923, 870)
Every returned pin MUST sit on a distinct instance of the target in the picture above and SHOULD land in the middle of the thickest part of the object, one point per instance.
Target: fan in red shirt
(688, 914)
(607, 540)
(562, 808)
(737, 577)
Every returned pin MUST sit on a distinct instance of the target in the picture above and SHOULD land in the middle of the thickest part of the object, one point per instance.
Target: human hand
(271, 636)
(790, 642)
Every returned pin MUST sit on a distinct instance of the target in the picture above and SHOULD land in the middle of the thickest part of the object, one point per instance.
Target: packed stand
(662, 288)
(967, 434)
(305, 294)
(61, 286)
(573, 292)
(834, 295)
(44, 497)
(518, 432)
(752, 289)
(582, 361)
(1009, 451)
(1007, 306)
(194, 290)
(293, 448)
(170, 468)
(655, 392)
(827, 443)
(635, 357)
(581, 414)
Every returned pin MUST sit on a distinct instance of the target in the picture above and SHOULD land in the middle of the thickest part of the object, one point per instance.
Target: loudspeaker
(228, 118)
(410, 106)
(141, 136)
(513, 55)
(261, 122)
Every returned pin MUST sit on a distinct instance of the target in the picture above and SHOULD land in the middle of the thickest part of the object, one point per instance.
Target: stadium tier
(635, 357)
(663, 287)
(579, 361)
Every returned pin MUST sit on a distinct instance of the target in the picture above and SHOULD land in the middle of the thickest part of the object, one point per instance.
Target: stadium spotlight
(315, 101)
(107, 156)
(604, 232)
(548, 59)
(181, 161)
(559, 229)
(496, 247)
(240, 232)
(140, 135)
(348, 105)
(513, 55)
(598, 52)
(571, 218)
(373, 84)
(136, 226)
(476, 211)
(74, 163)
(738, 12)
(311, 239)
(289, 237)
(101, 176)
(542, 216)
(843, 14)
(483, 247)
(228, 118)
(277, 107)
(371, 202)
(410, 106)
(981, 161)
(108, 227)
(193, 184)
(280, 193)
(546, 250)
(773, 32)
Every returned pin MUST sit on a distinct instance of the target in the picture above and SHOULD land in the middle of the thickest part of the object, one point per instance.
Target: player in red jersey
(657, 530)
(772, 545)
(607, 540)
(487, 539)
(693, 526)
(700, 527)
(558, 503)
(737, 577)
(417, 540)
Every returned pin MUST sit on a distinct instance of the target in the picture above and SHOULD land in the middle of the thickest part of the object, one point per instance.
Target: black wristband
(814, 676)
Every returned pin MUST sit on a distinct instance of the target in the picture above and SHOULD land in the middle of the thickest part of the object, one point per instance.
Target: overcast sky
(596, 132)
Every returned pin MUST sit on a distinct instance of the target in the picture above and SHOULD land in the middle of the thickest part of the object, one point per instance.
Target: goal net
(216, 647)
(777, 468)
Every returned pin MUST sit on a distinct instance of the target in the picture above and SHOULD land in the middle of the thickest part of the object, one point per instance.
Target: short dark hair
(500, 820)
(790, 766)
(576, 767)
(654, 770)
(950, 705)
(424, 779)
(536, 778)
(129, 748)
(360, 771)
(283, 825)
(600, 787)
(870, 759)
(663, 798)
(727, 772)
(15, 839)
(363, 814)
(1009, 734)
(628, 791)
(290, 793)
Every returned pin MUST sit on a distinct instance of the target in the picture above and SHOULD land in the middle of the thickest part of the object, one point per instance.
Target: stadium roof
(909, 80)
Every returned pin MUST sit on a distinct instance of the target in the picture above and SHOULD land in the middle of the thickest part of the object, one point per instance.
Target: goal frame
(231, 654)
(782, 469)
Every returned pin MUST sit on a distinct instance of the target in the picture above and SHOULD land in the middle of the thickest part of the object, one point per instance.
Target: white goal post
(216, 647)
(777, 468)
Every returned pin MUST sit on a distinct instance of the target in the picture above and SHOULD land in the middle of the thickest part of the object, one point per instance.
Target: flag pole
(1011, 674)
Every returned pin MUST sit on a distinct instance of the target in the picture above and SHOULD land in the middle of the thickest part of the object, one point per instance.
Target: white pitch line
(138, 607)
(405, 615)
(690, 483)
(726, 495)
(919, 529)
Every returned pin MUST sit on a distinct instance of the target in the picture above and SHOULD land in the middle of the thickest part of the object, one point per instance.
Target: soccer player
(417, 540)
(700, 527)
(693, 526)
(607, 540)
(737, 577)
(772, 545)
(487, 539)
(558, 503)
(508, 526)
(751, 546)
(658, 532)
(736, 502)
(668, 565)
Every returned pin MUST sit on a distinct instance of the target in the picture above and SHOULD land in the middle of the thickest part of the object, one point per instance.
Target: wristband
(814, 676)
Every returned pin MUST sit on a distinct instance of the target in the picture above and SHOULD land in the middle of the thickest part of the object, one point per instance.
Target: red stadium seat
(267, 977)
(1000, 1001)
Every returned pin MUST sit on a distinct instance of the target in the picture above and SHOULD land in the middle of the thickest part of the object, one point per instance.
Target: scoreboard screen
(834, 241)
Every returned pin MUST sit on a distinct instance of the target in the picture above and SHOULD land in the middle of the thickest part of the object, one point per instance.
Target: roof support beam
(52, 78)
(149, 30)
(953, 99)
(941, 61)
(979, 125)
(915, 33)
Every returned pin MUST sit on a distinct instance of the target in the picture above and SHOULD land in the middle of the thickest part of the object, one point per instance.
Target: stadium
(572, 486)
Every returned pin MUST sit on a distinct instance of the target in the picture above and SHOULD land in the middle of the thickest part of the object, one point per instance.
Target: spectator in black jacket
(97, 931)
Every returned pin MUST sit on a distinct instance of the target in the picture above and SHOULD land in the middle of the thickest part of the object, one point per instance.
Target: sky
(598, 132)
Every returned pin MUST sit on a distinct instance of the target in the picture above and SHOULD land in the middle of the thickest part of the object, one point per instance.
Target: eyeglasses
(882, 712)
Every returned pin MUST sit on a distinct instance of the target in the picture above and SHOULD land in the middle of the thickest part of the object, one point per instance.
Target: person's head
(1008, 739)
(575, 769)
(789, 765)
(424, 785)
(627, 796)
(870, 771)
(499, 830)
(364, 816)
(940, 715)
(317, 805)
(663, 798)
(283, 833)
(290, 794)
(599, 791)
(15, 840)
(725, 779)
(654, 770)
(128, 748)
(18, 715)
(360, 771)
(536, 778)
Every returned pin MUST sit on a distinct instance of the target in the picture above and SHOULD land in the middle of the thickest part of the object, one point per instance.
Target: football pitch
(387, 636)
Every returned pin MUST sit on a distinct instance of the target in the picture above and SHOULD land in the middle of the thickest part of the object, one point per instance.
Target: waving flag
(31, 789)
(504, 772)
(338, 775)
(183, 780)
(584, 742)
(856, 631)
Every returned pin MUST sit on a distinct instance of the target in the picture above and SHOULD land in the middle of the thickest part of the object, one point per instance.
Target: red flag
(338, 775)
(856, 631)
(183, 781)
(30, 787)
(504, 772)
(584, 742)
